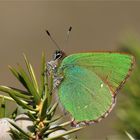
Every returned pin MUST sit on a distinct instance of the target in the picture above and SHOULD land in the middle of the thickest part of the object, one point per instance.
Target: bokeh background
(97, 25)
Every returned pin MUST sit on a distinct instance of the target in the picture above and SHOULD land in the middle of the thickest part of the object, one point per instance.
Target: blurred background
(102, 26)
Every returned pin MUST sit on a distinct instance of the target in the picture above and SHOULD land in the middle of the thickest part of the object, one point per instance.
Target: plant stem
(7, 98)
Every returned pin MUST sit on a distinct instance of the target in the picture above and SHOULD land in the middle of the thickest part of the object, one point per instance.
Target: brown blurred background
(96, 26)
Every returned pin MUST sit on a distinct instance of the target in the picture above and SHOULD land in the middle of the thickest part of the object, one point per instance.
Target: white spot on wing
(102, 85)
(86, 106)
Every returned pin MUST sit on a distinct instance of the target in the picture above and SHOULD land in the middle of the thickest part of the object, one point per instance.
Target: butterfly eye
(57, 55)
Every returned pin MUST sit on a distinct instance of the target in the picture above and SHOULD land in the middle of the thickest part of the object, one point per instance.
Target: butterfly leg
(57, 81)
(50, 67)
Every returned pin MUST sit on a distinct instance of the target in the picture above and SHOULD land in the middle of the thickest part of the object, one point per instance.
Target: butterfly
(89, 82)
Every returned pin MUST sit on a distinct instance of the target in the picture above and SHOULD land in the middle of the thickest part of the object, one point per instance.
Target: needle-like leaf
(48, 91)
(65, 133)
(21, 91)
(43, 109)
(6, 97)
(30, 85)
(26, 82)
(18, 76)
(21, 131)
(53, 108)
(2, 108)
(130, 137)
(31, 116)
(15, 134)
(19, 101)
(43, 76)
(31, 73)
(53, 120)
(15, 92)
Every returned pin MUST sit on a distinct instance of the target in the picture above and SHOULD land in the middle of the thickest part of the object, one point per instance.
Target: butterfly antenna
(67, 37)
(48, 33)
(68, 33)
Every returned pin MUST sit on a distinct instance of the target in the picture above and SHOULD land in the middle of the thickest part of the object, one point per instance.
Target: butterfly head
(58, 55)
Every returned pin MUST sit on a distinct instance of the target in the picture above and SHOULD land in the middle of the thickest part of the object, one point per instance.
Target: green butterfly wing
(112, 68)
(84, 94)
(90, 79)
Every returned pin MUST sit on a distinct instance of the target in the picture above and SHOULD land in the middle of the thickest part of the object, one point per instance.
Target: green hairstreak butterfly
(88, 82)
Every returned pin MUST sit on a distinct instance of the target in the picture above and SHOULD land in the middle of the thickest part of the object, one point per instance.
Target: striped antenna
(67, 37)
(48, 33)
(68, 33)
